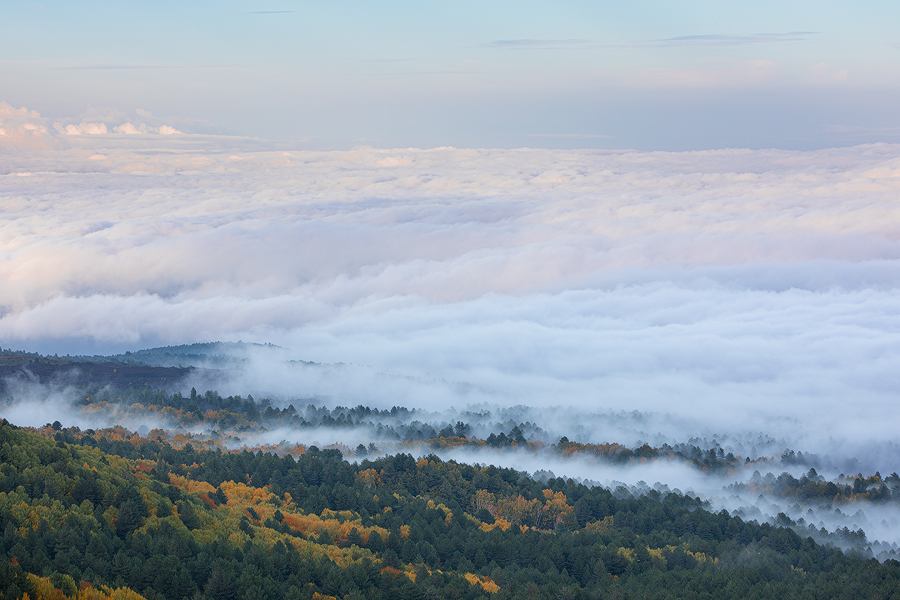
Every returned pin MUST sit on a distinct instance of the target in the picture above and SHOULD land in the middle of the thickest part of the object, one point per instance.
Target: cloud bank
(742, 289)
(24, 130)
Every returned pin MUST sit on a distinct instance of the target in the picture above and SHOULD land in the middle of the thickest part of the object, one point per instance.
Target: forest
(203, 502)
(111, 512)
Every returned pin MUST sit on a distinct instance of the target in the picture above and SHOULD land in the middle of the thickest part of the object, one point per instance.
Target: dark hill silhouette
(67, 371)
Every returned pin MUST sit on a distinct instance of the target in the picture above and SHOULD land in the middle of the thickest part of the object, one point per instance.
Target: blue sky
(646, 74)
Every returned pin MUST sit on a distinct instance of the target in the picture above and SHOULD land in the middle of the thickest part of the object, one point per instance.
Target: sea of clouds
(732, 291)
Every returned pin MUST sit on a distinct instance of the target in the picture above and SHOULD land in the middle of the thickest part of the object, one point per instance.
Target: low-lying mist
(757, 415)
(747, 472)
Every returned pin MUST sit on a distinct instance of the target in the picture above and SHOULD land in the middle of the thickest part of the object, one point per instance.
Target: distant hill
(208, 354)
(159, 368)
(72, 371)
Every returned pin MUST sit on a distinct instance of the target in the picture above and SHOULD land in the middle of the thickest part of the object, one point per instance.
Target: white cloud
(128, 129)
(739, 289)
(83, 128)
(93, 128)
(95, 122)
(23, 130)
(7, 111)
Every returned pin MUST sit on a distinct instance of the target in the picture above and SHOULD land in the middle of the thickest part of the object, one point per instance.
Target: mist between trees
(754, 476)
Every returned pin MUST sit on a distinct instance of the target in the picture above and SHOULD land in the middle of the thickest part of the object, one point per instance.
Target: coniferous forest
(169, 514)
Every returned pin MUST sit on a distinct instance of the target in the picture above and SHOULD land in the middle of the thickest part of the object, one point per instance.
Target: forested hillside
(90, 512)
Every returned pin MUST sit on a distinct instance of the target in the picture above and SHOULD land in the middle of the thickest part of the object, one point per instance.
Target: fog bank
(730, 293)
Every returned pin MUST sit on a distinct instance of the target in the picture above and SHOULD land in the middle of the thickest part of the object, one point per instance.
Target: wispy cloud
(720, 39)
(269, 12)
(135, 67)
(114, 67)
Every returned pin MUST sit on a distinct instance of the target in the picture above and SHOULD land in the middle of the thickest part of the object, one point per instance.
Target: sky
(646, 75)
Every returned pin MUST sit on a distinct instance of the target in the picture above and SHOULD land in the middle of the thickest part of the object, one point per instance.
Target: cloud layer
(744, 289)
(24, 130)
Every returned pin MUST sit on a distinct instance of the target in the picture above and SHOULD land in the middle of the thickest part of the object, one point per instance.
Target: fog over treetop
(733, 286)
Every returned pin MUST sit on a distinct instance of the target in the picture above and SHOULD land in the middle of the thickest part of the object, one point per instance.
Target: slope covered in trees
(116, 510)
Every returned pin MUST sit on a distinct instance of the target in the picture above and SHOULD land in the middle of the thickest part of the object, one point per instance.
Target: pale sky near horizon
(646, 75)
